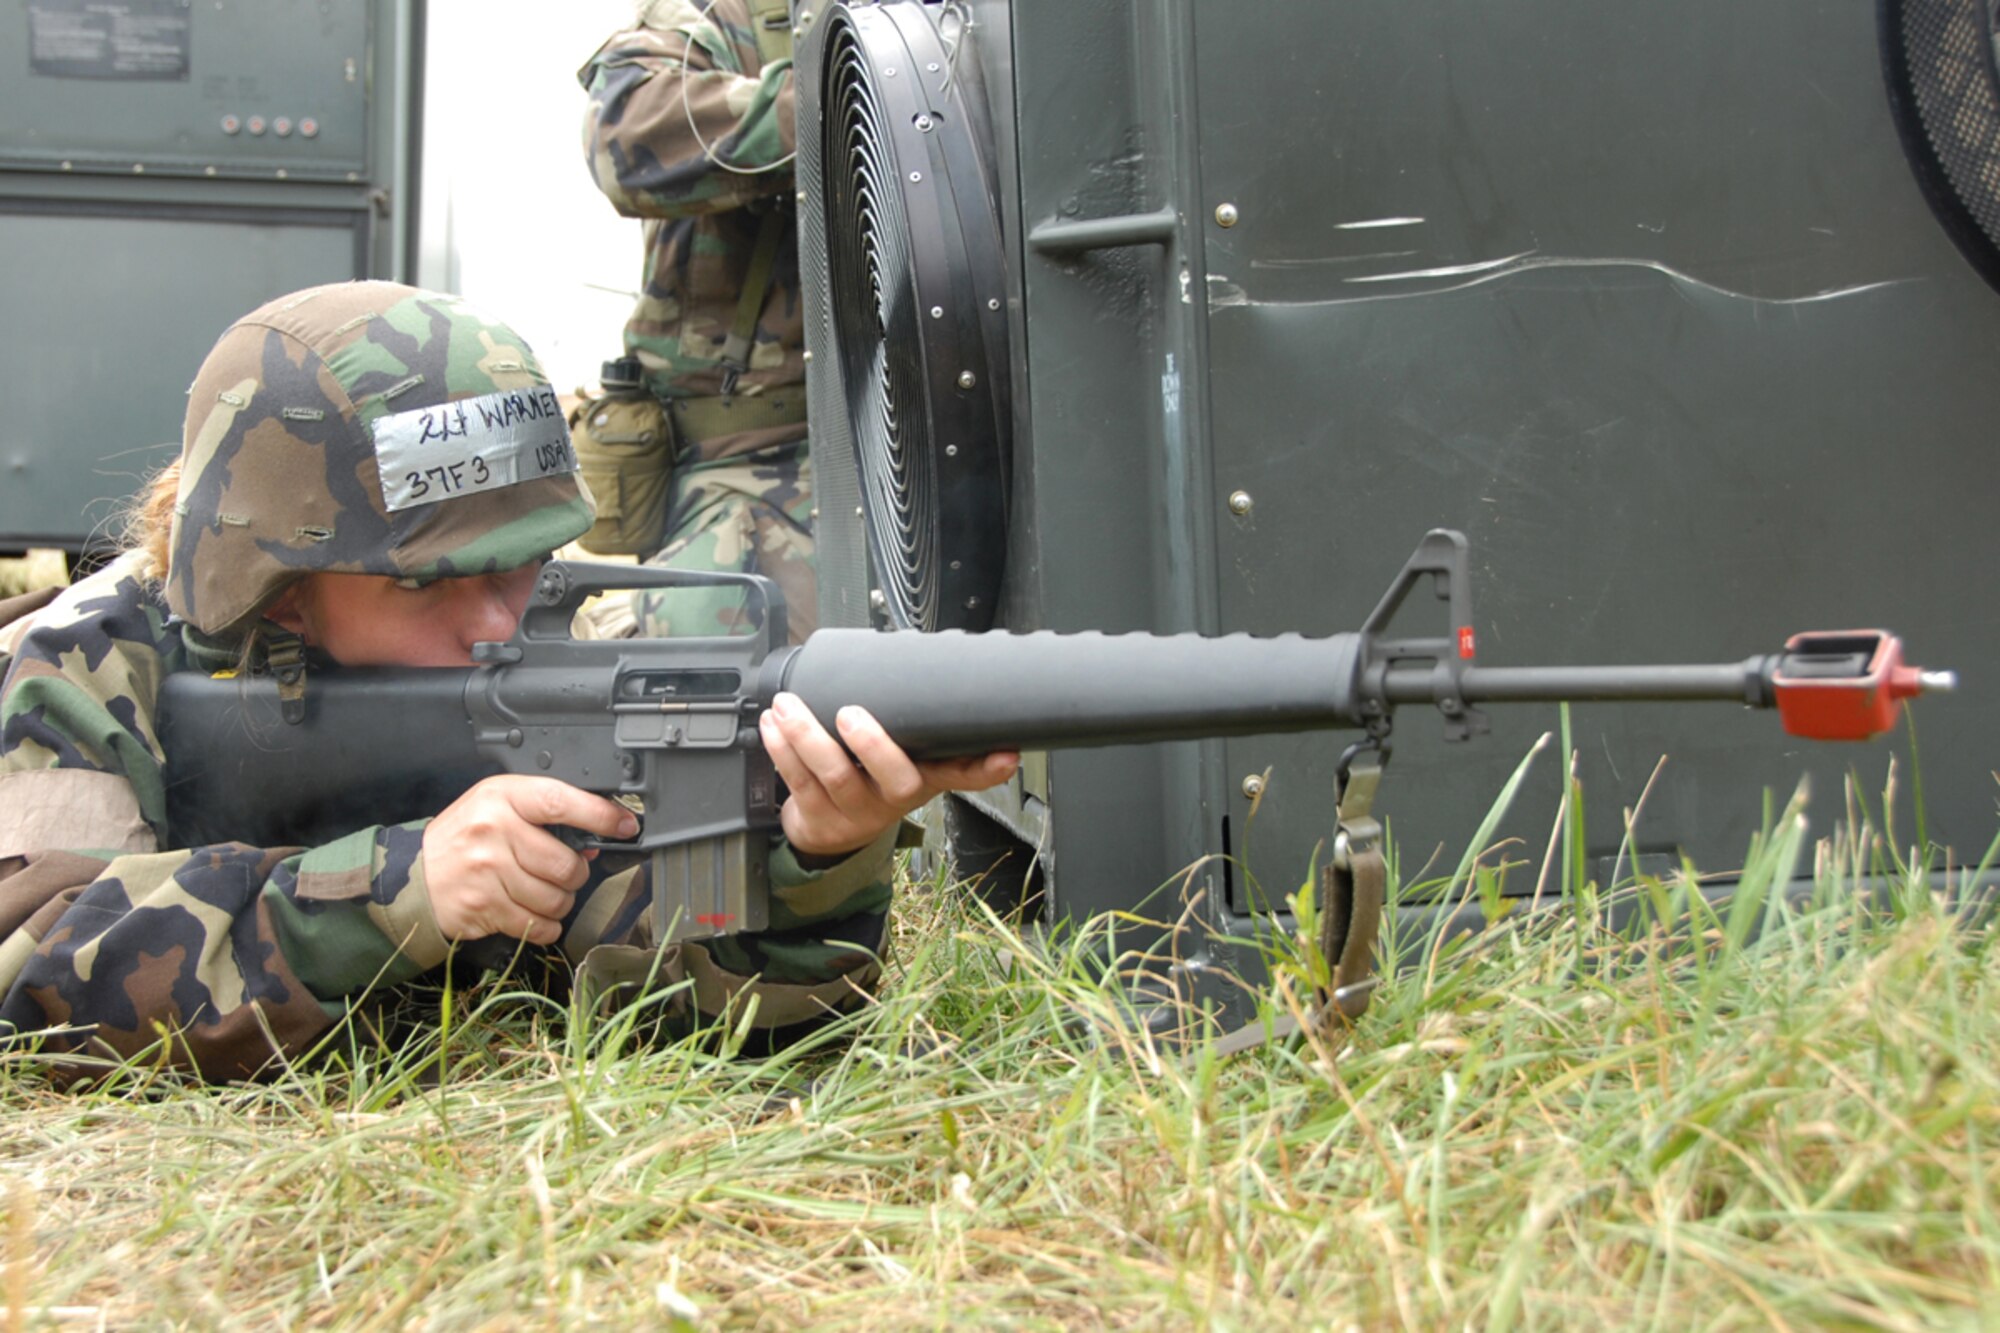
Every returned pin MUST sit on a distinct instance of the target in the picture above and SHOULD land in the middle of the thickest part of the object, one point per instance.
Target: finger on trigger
(544, 801)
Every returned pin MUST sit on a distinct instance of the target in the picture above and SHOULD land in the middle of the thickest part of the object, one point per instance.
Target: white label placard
(475, 444)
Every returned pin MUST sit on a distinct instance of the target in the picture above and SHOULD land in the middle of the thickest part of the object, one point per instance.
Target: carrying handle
(563, 586)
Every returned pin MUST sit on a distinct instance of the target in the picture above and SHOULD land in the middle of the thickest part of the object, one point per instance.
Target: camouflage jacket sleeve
(822, 953)
(117, 942)
(682, 120)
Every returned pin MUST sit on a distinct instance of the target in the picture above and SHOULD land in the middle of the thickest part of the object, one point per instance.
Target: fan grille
(913, 295)
(1945, 89)
(875, 325)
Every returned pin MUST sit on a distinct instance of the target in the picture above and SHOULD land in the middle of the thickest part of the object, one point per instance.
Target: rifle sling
(1353, 884)
(756, 287)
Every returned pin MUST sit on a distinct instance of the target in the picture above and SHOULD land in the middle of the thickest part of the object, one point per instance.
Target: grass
(1781, 1112)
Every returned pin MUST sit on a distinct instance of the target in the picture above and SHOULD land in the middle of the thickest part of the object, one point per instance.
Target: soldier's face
(368, 620)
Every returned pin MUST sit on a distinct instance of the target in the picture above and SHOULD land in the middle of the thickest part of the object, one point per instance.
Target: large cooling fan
(1944, 85)
(906, 298)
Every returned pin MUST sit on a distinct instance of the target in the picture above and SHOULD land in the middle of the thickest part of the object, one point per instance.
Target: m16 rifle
(673, 722)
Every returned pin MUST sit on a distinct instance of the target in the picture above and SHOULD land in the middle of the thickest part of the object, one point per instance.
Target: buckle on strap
(285, 657)
(1353, 885)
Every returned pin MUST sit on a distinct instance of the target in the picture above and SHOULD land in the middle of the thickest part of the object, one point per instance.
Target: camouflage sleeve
(219, 951)
(681, 121)
(196, 957)
(820, 954)
(77, 698)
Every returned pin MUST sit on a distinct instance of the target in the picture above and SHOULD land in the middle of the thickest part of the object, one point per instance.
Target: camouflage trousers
(748, 514)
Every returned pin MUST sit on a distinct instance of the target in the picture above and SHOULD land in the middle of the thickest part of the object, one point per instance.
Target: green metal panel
(259, 88)
(164, 167)
(106, 377)
(1102, 466)
(1646, 301)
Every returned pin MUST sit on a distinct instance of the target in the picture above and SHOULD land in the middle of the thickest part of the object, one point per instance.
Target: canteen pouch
(624, 446)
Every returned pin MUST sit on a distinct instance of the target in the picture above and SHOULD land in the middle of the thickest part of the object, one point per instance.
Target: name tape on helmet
(472, 445)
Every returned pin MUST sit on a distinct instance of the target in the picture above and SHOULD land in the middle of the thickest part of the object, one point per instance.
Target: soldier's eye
(414, 585)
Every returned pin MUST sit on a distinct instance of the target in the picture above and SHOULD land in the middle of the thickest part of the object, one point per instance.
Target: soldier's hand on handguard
(838, 805)
(492, 866)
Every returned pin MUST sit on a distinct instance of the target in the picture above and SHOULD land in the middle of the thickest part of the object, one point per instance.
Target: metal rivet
(1253, 786)
(673, 734)
(972, 603)
(951, 451)
(1225, 215)
(802, 196)
(545, 760)
(813, 514)
(966, 379)
(808, 356)
(958, 564)
(992, 303)
(1239, 502)
(515, 738)
(857, 511)
(889, 73)
(932, 67)
(924, 123)
(916, 176)
(937, 312)
(876, 599)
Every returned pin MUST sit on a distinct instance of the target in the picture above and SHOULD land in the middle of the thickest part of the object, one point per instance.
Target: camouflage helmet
(364, 428)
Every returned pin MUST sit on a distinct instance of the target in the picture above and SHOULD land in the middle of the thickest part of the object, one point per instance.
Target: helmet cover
(365, 428)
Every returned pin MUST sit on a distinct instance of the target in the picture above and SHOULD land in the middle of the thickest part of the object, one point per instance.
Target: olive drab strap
(1352, 888)
(756, 287)
(772, 21)
(285, 656)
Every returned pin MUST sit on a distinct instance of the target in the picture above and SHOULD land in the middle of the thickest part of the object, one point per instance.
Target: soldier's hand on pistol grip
(845, 793)
(494, 868)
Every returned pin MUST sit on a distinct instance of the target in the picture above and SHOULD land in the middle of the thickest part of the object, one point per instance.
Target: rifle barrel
(1739, 681)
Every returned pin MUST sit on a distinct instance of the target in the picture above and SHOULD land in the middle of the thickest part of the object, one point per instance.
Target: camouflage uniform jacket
(114, 942)
(689, 130)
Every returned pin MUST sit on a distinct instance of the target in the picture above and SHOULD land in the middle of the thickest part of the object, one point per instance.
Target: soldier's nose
(485, 612)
